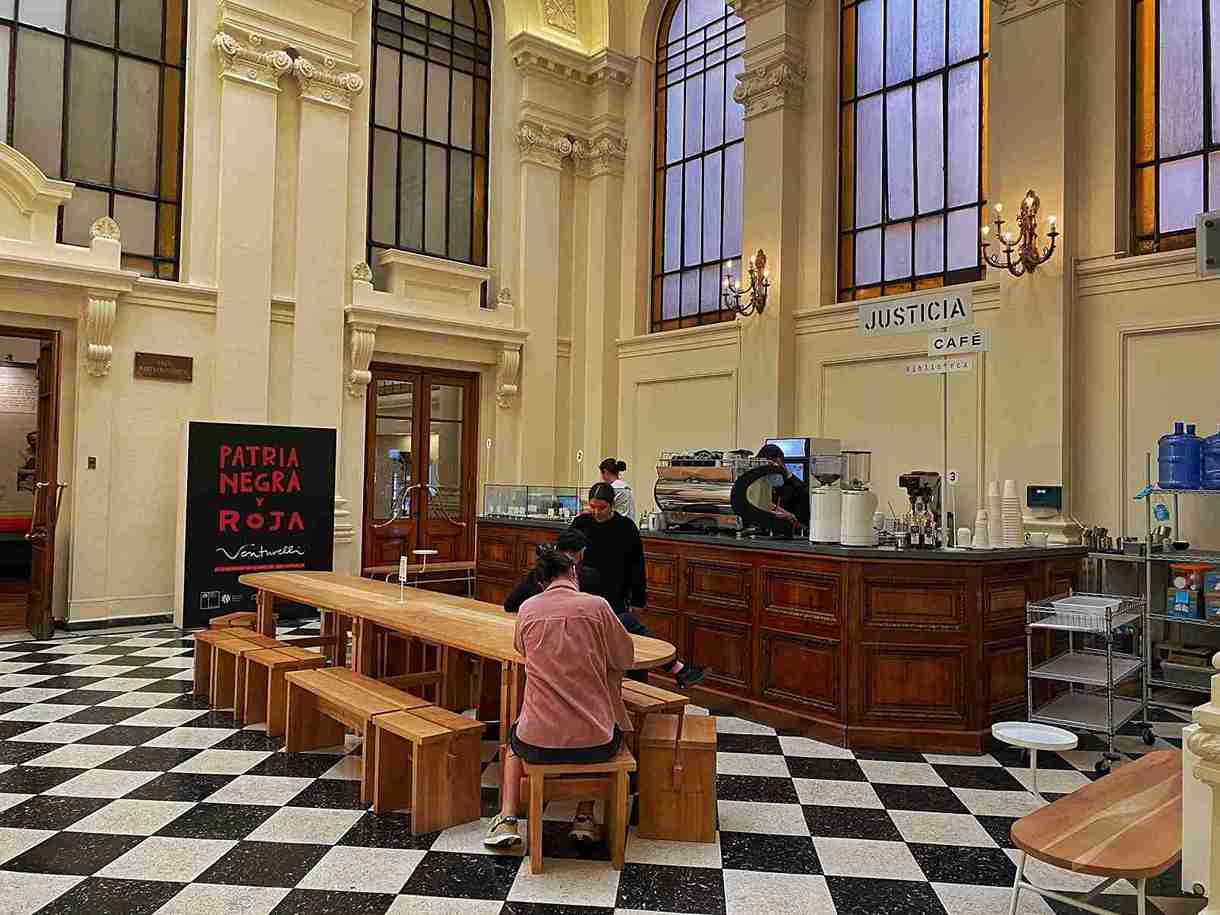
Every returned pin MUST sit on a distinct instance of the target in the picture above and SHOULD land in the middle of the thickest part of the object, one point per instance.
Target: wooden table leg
(266, 613)
(364, 651)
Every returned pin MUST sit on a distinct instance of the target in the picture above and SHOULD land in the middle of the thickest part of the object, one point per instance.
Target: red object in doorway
(14, 524)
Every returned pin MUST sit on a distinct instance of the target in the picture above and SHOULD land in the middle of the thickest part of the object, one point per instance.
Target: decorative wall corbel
(98, 325)
(508, 376)
(360, 338)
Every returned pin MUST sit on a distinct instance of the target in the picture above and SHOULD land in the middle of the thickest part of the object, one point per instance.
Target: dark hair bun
(622, 466)
(612, 465)
(601, 491)
(552, 564)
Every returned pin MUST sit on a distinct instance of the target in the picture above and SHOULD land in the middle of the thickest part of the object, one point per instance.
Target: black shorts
(565, 756)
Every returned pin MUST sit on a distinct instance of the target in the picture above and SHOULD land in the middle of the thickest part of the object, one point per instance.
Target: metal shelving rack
(1149, 560)
(1092, 674)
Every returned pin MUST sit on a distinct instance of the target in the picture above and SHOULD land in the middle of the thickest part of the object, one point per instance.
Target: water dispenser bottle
(1211, 462)
(1180, 459)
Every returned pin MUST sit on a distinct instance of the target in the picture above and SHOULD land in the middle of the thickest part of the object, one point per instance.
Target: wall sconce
(760, 284)
(1025, 245)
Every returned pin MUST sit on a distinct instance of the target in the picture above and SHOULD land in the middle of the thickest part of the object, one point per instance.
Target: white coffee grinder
(825, 498)
(859, 503)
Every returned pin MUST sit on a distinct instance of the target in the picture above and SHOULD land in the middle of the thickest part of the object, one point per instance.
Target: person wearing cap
(572, 544)
(616, 553)
(789, 493)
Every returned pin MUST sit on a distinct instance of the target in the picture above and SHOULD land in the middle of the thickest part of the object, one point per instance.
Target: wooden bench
(606, 781)
(227, 669)
(426, 759)
(1126, 826)
(205, 649)
(677, 759)
(264, 697)
(644, 699)
(322, 704)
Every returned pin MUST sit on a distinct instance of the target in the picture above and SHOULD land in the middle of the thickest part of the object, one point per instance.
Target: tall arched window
(700, 145)
(431, 109)
(913, 96)
(93, 93)
(1176, 108)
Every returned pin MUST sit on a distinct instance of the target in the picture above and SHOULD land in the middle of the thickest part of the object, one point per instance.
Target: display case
(502, 500)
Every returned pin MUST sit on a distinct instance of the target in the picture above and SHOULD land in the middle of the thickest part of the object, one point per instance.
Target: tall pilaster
(249, 91)
(771, 88)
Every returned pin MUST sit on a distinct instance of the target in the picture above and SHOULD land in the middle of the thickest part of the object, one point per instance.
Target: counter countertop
(805, 548)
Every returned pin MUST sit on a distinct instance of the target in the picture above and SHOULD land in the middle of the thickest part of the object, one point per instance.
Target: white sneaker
(502, 832)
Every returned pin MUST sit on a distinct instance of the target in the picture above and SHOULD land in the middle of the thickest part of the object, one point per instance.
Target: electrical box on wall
(1207, 244)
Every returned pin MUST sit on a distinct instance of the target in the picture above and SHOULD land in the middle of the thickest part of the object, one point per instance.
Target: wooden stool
(606, 781)
(243, 620)
(428, 760)
(205, 648)
(227, 684)
(265, 695)
(678, 778)
(323, 703)
(644, 699)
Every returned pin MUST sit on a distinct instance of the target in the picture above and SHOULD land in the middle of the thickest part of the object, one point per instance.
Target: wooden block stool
(227, 670)
(644, 699)
(243, 620)
(678, 778)
(606, 781)
(266, 691)
(428, 760)
(205, 649)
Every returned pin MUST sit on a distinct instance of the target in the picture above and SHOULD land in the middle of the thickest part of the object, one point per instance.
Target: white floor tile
(12, 800)
(566, 882)
(104, 670)
(159, 651)
(163, 858)
(137, 700)
(12, 681)
(925, 828)
(213, 899)
(191, 738)
(901, 773)
(773, 819)
(365, 870)
(264, 790)
(15, 841)
(741, 726)
(804, 746)
(42, 712)
(31, 694)
(863, 858)
(222, 762)
(831, 793)
(132, 818)
(181, 663)
(347, 769)
(23, 894)
(306, 825)
(1052, 781)
(102, 783)
(117, 685)
(752, 764)
(58, 732)
(79, 756)
(431, 905)
(959, 899)
(985, 760)
(468, 839)
(676, 854)
(750, 892)
(1056, 878)
(984, 803)
(164, 717)
(13, 667)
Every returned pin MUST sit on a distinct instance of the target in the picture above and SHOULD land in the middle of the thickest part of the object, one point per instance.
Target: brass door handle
(36, 533)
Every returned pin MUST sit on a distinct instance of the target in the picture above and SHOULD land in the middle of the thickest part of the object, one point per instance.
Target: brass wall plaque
(165, 368)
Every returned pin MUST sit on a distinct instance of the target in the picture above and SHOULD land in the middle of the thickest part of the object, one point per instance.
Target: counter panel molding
(862, 648)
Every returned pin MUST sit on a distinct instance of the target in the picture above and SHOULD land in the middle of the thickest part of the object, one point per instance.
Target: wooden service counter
(866, 648)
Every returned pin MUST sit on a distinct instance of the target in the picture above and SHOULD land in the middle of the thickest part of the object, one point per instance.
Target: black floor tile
(331, 794)
(919, 797)
(35, 779)
(180, 786)
(99, 896)
(851, 823)
(387, 830)
(50, 812)
(190, 700)
(842, 770)
(264, 864)
(557, 843)
(999, 828)
(890, 756)
(661, 888)
(216, 719)
(168, 686)
(102, 714)
(756, 788)
(80, 853)
(15, 752)
(989, 778)
(124, 735)
(78, 696)
(1019, 759)
(72, 682)
(327, 902)
(150, 759)
(955, 864)
(218, 821)
(853, 896)
(294, 765)
(254, 741)
(459, 876)
(777, 854)
(748, 743)
(50, 669)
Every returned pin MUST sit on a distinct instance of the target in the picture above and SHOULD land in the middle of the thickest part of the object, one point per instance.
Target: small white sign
(939, 366)
(402, 568)
(960, 340)
(941, 308)
(954, 476)
(580, 456)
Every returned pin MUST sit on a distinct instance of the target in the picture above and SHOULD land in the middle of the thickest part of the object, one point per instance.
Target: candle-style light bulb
(1029, 201)
(985, 231)
(999, 208)
(1008, 238)
(726, 282)
(767, 274)
(1052, 221)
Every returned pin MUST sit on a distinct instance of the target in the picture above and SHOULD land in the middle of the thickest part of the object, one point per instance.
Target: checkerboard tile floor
(120, 792)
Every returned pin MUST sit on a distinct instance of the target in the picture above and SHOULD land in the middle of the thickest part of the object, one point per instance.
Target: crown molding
(240, 19)
(379, 316)
(348, 6)
(1011, 10)
(751, 9)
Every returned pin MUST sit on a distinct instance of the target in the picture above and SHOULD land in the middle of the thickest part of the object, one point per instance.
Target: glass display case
(502, 500)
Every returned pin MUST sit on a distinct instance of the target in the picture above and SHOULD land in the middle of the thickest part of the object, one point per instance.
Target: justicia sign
(942, 308)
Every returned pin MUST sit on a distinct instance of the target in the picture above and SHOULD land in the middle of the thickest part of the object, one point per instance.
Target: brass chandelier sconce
(760, 285)
(1020, 253)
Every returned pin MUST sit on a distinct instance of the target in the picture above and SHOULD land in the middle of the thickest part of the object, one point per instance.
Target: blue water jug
(1211, 462)
(1180, 459)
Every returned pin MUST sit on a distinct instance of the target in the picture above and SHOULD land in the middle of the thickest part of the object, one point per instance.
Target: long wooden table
(448, 621)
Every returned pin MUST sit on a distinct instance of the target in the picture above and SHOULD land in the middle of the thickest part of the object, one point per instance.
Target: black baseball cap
(771, 452)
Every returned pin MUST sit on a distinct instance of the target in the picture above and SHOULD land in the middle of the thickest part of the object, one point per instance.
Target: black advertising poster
(258, 499)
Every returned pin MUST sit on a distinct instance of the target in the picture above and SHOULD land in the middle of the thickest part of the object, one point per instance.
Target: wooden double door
(421, 465)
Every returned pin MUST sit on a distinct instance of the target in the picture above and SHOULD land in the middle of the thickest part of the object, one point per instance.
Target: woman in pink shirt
(576, 651)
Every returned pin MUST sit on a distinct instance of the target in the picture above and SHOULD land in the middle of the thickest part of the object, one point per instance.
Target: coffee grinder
(825, 498)
(923, 485)
(859, 504)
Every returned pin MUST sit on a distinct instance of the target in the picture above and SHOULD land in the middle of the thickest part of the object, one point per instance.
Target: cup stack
(982, 538)
(1011, 521)
(995, 527)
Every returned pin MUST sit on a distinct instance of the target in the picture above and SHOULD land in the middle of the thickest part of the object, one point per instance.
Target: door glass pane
(445, 451)
(392, 474)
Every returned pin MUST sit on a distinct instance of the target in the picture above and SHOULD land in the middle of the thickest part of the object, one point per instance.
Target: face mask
(776, 480)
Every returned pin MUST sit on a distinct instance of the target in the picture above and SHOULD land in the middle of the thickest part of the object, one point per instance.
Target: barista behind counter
(790, 493)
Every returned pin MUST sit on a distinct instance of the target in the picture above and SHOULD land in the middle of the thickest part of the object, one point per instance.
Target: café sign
(942, 308)
(959, 340)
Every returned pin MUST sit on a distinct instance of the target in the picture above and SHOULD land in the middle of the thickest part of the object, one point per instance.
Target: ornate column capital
(772, 84)
(508, 375)
(542, 144)
(361, 339)
(328, 83)
(605, 153)
(97, 325)
(251, 62)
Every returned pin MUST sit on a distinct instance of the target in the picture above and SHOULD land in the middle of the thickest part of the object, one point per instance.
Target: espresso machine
(923, 485)
(859, 503)
(825, 498)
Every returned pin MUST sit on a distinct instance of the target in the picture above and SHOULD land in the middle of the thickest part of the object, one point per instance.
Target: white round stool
(1034, 737)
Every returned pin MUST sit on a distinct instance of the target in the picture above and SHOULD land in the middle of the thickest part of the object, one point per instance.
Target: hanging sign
(939, 366)
(257, 499)
(959, 340)
(941, 308)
